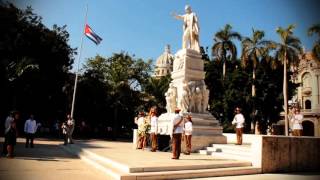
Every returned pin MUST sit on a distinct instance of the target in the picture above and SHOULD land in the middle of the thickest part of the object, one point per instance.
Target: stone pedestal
(188, 78)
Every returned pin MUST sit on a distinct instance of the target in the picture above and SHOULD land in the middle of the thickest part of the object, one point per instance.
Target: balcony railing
(306, 90)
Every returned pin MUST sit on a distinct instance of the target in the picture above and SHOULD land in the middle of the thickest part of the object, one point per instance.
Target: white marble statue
(190, 29)
(205, 98)
(192, 87)
(171, 96)
(185, 99)
(198, 100)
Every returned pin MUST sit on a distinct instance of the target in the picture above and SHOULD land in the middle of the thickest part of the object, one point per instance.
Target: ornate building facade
(164, 63)
(308, 93)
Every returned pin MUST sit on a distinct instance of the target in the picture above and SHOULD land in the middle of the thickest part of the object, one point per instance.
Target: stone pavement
(47, 160)
(50, 160)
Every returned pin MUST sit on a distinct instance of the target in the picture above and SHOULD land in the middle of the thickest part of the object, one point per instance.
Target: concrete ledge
(290, 154)
(282, 153)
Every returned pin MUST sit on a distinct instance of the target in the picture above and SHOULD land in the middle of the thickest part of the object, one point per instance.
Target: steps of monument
(199, 173)
(205, 122)
(115, 170)
(206, 127)
(229, 151)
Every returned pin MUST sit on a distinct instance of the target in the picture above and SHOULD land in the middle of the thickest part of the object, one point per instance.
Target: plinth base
(206, 130)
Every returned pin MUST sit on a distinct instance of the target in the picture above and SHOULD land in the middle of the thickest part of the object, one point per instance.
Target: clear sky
(144, 27)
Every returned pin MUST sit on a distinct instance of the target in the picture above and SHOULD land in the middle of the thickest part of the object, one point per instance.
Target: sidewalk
(47, 160)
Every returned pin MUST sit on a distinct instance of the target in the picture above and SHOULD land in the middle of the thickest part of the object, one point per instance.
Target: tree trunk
(253, 83)
(224, 69)
(115, 123)
(285, 94)
(253, 93)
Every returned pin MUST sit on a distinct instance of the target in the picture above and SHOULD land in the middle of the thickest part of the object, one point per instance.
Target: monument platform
(120, 161)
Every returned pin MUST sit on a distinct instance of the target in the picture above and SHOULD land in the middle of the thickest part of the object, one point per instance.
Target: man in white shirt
(30, 128)
(239, 121)
(177, 124)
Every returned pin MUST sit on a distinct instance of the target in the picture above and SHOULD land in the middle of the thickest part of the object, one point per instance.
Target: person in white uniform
(177, 130)
(238, 120)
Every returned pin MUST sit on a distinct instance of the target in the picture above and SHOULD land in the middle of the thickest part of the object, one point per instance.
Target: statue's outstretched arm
(175, 15)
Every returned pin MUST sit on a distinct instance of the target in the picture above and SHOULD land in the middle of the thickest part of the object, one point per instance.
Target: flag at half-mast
(92, 35)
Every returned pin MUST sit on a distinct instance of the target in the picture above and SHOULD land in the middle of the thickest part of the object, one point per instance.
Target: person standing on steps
(238, 120)
(153, 129)
(188, 134)
(177, 130)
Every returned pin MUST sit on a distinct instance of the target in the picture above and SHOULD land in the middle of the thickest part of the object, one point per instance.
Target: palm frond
(314, 29)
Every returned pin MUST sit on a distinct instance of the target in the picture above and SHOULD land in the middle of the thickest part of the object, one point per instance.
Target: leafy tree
(34, 64)
(120, 79)
(315, 29)
(287, 53)
(223, 48)
(156, 88)
(226, 94)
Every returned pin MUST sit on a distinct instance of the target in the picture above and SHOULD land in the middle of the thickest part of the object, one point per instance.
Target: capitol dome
(164, 63)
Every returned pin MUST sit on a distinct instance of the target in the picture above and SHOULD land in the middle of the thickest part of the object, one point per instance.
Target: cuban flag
(92, 35)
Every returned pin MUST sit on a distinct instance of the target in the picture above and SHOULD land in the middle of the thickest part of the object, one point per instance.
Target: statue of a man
(171, 96)
(205, 98)
(190, 29)
(198, 100)
(185, 100)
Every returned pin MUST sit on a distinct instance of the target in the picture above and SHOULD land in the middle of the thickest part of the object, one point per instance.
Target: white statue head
(198, 90)
(187, 8)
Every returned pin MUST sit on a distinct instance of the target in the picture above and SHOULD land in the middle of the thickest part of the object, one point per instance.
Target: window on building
(307, 104)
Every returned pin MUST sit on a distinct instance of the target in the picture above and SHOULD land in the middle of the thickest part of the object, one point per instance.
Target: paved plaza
(52, 160)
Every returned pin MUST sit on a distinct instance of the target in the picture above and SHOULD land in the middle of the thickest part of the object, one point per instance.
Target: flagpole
(78, 65)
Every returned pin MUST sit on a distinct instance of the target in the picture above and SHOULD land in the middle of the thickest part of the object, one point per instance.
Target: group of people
(181, 128)
(30, 128)
(11, 133)
(295, 118)
(147, 125)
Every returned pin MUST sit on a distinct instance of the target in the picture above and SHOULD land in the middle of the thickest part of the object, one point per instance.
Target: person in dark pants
(7, 127)
(11, 137)
(70, 124)
(30, 128)
(177, 124)
(64, 128)
(238, 120)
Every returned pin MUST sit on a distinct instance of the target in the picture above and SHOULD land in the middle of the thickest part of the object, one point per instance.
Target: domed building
(308, 93)
(164, 63)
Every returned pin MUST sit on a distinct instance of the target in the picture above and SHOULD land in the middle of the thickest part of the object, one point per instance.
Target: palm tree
(315, 29)
(287, 52)
(253, 50)
(224, 46)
